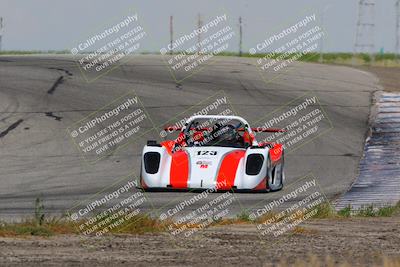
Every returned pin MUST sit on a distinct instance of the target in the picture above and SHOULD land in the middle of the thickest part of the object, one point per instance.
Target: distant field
(362, 59)
(384, 60)
(32, 52)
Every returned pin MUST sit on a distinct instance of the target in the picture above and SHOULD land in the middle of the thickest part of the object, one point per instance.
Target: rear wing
(256, 129)
(172, 128)
(267, 130)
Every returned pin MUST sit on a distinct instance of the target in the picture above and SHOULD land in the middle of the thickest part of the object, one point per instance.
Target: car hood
(213, 166)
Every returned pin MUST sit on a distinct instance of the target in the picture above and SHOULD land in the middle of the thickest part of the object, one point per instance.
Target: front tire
(275, 175)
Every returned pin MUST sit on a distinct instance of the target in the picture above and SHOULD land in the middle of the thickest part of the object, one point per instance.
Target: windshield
(215, 132)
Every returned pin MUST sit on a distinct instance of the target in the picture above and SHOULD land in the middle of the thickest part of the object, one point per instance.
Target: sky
(60, 25)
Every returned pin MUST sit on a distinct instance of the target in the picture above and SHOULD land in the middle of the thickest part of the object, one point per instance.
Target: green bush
(345, 212)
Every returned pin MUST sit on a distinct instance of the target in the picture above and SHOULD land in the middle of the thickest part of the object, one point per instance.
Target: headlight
(151, 162)
(254, 164)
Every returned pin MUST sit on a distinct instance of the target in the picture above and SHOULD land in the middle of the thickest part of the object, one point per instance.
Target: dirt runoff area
(389, 77)
(355, 241)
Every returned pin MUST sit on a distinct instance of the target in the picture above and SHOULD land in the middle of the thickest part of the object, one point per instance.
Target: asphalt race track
(38, 159)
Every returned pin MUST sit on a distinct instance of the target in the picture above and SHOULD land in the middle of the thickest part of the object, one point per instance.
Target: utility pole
(321, 48)
(1, 32)
(241, 36)
(397, 52)
(171, 33)
(364, 39)
(199, 25)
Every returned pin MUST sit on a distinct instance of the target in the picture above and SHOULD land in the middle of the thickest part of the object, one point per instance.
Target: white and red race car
(213, 152)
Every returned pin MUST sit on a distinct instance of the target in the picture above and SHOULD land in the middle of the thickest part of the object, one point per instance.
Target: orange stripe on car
(227, 171)
(179, 172)
(169, 145)
(276, 152)
(262, 185)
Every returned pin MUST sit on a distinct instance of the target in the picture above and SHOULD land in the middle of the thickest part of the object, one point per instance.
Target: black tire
(277, 170)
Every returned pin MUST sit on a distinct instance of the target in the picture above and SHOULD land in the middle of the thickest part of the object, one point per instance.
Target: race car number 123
(206, 153)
